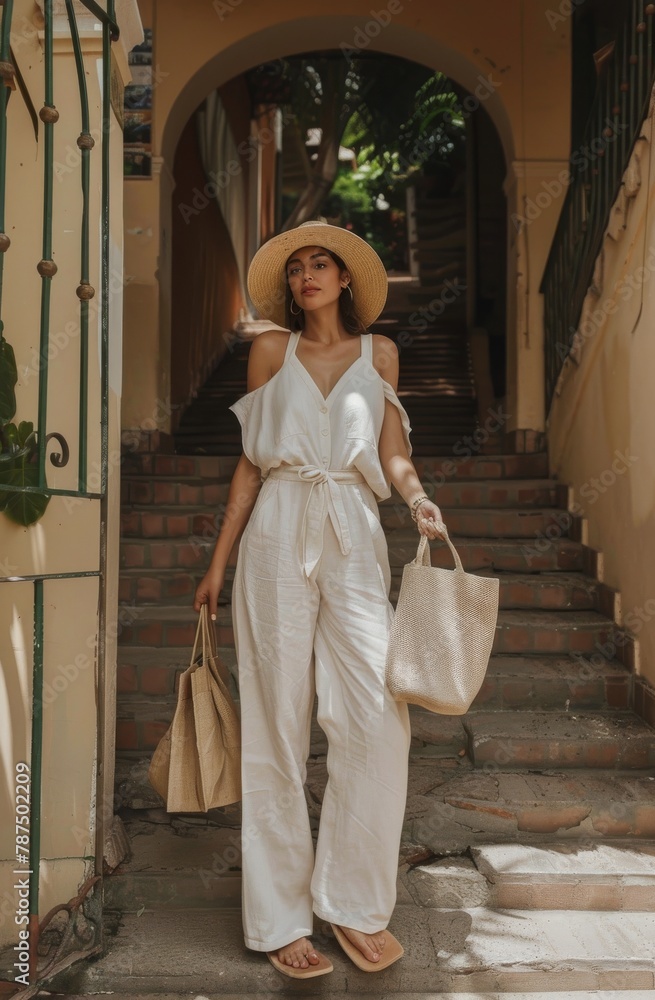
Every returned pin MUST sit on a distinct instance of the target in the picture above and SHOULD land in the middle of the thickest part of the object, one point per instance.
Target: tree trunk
(326, 165)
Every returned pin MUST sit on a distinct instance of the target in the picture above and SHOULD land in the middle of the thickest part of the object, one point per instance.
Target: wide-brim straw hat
(267, 281)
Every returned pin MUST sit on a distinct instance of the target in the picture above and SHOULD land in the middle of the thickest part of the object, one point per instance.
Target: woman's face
(314, 278)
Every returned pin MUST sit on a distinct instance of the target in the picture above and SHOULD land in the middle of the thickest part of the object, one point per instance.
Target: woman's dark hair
(347, 305)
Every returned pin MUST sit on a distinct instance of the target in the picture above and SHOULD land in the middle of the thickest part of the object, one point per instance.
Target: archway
(453, 214)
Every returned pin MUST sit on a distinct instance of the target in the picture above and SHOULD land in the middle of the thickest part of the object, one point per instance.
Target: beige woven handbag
(197, 763)
(441, 635)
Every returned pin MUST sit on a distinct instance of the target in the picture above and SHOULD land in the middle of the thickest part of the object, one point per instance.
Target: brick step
(527, 556)
(517, 632)
(544, 740)
(556, 632)
(165, 492)
(166, 586)
(491, 494)
(167, 522)
(151, 670)
(512, 682)
(480, 522)
(171, 493)
(171, 625)
(195, 468)
(547, 591)
(556, 683)
(476, 555)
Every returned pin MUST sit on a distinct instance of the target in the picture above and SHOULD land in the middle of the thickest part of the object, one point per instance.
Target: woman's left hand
(429, 519)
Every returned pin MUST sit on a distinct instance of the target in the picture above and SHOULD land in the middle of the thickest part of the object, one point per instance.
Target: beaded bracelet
(417, 503)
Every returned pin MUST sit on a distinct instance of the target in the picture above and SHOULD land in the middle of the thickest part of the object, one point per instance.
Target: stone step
(451, 809)
(546, 740)
(564, 876)
(179, 862)
(477, 522)
(465, 464)
(488, 950)
(567, 995)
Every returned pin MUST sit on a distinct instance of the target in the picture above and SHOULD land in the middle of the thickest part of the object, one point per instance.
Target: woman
(326, 434)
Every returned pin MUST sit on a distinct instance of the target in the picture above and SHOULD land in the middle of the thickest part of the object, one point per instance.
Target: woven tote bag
(441, 634)
(197, 763)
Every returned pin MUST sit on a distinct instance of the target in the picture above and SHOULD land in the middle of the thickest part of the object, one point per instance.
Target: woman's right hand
(207, 592)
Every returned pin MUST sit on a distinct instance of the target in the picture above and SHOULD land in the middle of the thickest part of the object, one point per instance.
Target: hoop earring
(291, 308)
(348, 288)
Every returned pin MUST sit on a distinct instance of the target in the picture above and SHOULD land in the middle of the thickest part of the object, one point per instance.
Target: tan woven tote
(441, 635)
(197, 763)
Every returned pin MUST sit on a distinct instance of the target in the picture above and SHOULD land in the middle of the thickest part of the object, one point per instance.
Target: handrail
(595, 176)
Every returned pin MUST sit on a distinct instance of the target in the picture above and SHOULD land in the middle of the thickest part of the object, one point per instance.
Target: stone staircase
(528, 855)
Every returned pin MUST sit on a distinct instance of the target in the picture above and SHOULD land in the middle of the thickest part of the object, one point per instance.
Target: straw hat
(267, 281)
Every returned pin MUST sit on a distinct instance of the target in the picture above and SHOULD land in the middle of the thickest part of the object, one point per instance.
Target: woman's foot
(369, 952)
(370, 945)
(299, 954)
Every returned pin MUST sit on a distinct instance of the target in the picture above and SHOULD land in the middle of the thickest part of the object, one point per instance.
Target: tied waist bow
(325, 499)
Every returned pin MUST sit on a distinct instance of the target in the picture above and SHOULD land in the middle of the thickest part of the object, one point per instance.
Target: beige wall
(507, 43)
(601, 424)
(68, 537)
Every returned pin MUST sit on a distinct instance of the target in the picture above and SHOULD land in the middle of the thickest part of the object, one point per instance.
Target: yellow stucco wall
(68, 537)
(601, 424)
(506, 50)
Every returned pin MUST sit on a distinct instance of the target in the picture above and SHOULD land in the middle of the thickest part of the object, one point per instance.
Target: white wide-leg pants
(297, 635)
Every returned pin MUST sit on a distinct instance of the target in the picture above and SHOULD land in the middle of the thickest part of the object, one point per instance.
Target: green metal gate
(36, 485)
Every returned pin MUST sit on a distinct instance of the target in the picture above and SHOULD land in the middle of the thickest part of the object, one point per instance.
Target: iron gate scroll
(25, 484)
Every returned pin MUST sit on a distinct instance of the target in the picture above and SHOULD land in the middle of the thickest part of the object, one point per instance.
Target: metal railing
(595, 173)
(85, 292)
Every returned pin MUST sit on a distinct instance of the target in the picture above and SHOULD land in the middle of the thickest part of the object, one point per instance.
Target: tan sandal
(393, 950)
(324, 966)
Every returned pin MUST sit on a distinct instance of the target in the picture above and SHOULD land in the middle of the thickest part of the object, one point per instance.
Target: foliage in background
(18, 450)
(400, 118)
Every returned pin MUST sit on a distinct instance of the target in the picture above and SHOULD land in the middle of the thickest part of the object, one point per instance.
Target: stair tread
(496, 949)
(581, 724)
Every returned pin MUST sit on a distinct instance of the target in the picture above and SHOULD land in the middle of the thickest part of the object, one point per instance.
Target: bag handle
(423, 551)
(208, 638)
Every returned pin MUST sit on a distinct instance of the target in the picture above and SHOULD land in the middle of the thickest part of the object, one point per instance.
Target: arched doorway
(435, 211)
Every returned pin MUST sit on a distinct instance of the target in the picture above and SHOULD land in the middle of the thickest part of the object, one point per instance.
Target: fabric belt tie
(325, 498)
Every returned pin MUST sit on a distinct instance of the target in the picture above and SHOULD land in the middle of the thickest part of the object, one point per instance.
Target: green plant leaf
(8, 379)
(25, 432)
(18, 470)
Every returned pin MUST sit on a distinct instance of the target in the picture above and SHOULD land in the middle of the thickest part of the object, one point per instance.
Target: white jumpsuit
(311, 614)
